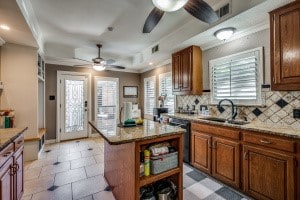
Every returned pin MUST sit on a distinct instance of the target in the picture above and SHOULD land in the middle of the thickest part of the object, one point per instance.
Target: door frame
(89, 116)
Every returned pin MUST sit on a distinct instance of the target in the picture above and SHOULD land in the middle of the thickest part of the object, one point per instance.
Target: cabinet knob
(265, 141)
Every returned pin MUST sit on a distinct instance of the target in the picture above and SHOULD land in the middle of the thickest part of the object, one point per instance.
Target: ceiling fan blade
(81, 59)
(201, 10)
(110, 61)
(152, 20)
(83, 65)
(115, 66)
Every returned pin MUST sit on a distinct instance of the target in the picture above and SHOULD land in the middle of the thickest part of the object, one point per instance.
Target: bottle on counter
(146, 162)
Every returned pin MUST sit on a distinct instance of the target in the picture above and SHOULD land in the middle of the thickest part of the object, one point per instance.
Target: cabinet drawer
(217, 130)
(269, 141)
(6, 153)
(19, 141)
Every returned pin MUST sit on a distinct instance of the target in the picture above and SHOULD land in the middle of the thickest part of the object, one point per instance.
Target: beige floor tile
(68, 156)
(88, 186)
(94, 151)
(69, 176)
(104, 195)
(99, 158)
(28, 197)
(38, 185)
(42, 162)
(94, 170)
(82, 162)
(90, 197)
(53, 169)
(32, 173)
(61, 193)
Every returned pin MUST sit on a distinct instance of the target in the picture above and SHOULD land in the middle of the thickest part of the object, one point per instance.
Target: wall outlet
(296, 113)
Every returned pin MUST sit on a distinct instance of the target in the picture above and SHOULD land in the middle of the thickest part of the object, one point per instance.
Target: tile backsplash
(278, 108)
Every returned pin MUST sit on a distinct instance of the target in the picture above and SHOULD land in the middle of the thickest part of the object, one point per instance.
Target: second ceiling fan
(198, 8)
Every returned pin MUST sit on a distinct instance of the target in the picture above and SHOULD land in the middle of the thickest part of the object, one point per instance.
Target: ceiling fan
(198, 8)
(101, 64)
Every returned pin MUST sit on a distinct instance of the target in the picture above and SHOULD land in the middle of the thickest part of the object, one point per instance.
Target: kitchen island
(122, 149)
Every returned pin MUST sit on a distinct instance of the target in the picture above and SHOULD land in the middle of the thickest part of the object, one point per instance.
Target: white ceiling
(65, 29)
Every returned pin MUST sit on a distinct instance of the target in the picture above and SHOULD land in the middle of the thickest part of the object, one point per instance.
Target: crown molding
(2, 42)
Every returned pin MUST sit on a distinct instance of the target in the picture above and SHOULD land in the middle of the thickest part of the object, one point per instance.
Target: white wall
(19, 77)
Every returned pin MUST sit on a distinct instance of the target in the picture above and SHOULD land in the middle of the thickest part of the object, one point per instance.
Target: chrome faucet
(233, 111)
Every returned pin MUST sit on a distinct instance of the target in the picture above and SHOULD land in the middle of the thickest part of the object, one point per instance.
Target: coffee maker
(157, 113)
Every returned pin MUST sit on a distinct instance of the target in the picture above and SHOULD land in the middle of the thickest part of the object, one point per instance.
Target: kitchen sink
(222, 120)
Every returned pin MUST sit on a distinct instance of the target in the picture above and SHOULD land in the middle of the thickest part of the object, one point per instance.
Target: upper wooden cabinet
(187, 71)
(285, 47)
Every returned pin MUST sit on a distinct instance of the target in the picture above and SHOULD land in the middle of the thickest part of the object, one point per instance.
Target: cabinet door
(201, 151)
(6, 181)
(267, 174)
(176, 72)
(285, 45)
(226, 161)
(19, 176)
(186, 67)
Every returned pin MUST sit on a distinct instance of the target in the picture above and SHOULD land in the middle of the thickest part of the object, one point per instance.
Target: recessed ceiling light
(225, 33)
(150, 63)
(4, 27)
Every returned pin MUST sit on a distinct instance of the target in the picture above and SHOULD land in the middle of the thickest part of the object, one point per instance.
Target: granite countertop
(8, 135)
(115, 135)
(272, 129)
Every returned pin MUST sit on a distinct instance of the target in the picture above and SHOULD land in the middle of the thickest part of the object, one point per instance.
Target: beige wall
(19, 77)
(125, 79)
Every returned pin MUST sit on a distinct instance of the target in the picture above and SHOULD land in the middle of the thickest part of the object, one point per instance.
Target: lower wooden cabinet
(201, 151)
(6, 180)
(19, 175)
(267, 174)
(216, 156)
(226, 161)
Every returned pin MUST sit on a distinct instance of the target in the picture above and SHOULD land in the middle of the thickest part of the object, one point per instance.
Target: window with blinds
(106, 102)
(165, 88)
(237, 77)
(149, 95)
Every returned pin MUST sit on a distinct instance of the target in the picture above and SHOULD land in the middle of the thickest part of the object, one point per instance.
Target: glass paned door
(73, 107)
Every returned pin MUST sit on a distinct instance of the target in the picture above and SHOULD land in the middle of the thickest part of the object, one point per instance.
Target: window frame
(162, 76)
(151, 78)
(259, 77)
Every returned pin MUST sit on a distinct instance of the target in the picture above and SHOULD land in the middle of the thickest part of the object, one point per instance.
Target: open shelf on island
(145, 180)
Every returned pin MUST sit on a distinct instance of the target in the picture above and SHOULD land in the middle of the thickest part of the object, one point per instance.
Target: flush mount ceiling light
(169, 5)
(4, 27)
(98, 67)
(225, 33)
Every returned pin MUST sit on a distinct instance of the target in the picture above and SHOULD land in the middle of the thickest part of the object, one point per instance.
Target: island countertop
(115, 135)
(7, 135)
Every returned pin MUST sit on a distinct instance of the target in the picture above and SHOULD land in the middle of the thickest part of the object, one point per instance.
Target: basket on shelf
(163, 163)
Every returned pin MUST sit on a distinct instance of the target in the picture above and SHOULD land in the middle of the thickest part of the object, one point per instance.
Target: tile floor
(74, 170)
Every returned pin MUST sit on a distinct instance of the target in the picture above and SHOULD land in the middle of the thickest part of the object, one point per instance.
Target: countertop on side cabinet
(272, 129)
(8, 135)
(115, 135)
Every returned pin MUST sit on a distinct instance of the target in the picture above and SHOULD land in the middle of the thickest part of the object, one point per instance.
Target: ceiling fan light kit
(98, 67)
(224, 33)
(169, 5)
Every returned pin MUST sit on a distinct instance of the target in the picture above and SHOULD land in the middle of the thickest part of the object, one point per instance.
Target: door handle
(265, 141)
(245, 156)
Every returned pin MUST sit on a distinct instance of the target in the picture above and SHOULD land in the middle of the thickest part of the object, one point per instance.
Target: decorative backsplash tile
(278, 107)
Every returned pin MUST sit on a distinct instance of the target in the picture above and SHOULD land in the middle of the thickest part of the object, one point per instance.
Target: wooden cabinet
(201, 151)
(268, 174)
(6, 180)
(216, 155)
(187, 71)
(11, 170)
(226, 161)
(285, 47)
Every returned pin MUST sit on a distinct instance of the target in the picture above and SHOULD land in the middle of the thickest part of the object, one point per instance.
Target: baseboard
(50, 141)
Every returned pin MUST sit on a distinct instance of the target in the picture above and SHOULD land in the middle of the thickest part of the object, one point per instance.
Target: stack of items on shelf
(7, 118)
(161, 190)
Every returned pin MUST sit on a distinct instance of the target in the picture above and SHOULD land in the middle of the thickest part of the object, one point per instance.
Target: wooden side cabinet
(268, 174)
(6, 180)
(187, 71)
(285, 47)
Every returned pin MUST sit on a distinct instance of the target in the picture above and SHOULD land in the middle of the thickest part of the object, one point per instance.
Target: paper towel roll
(127, 111)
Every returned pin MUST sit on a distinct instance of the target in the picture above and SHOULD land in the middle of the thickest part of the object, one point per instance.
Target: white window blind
(149, 95)
(106, 101)
(237, 77)
(165, 88)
